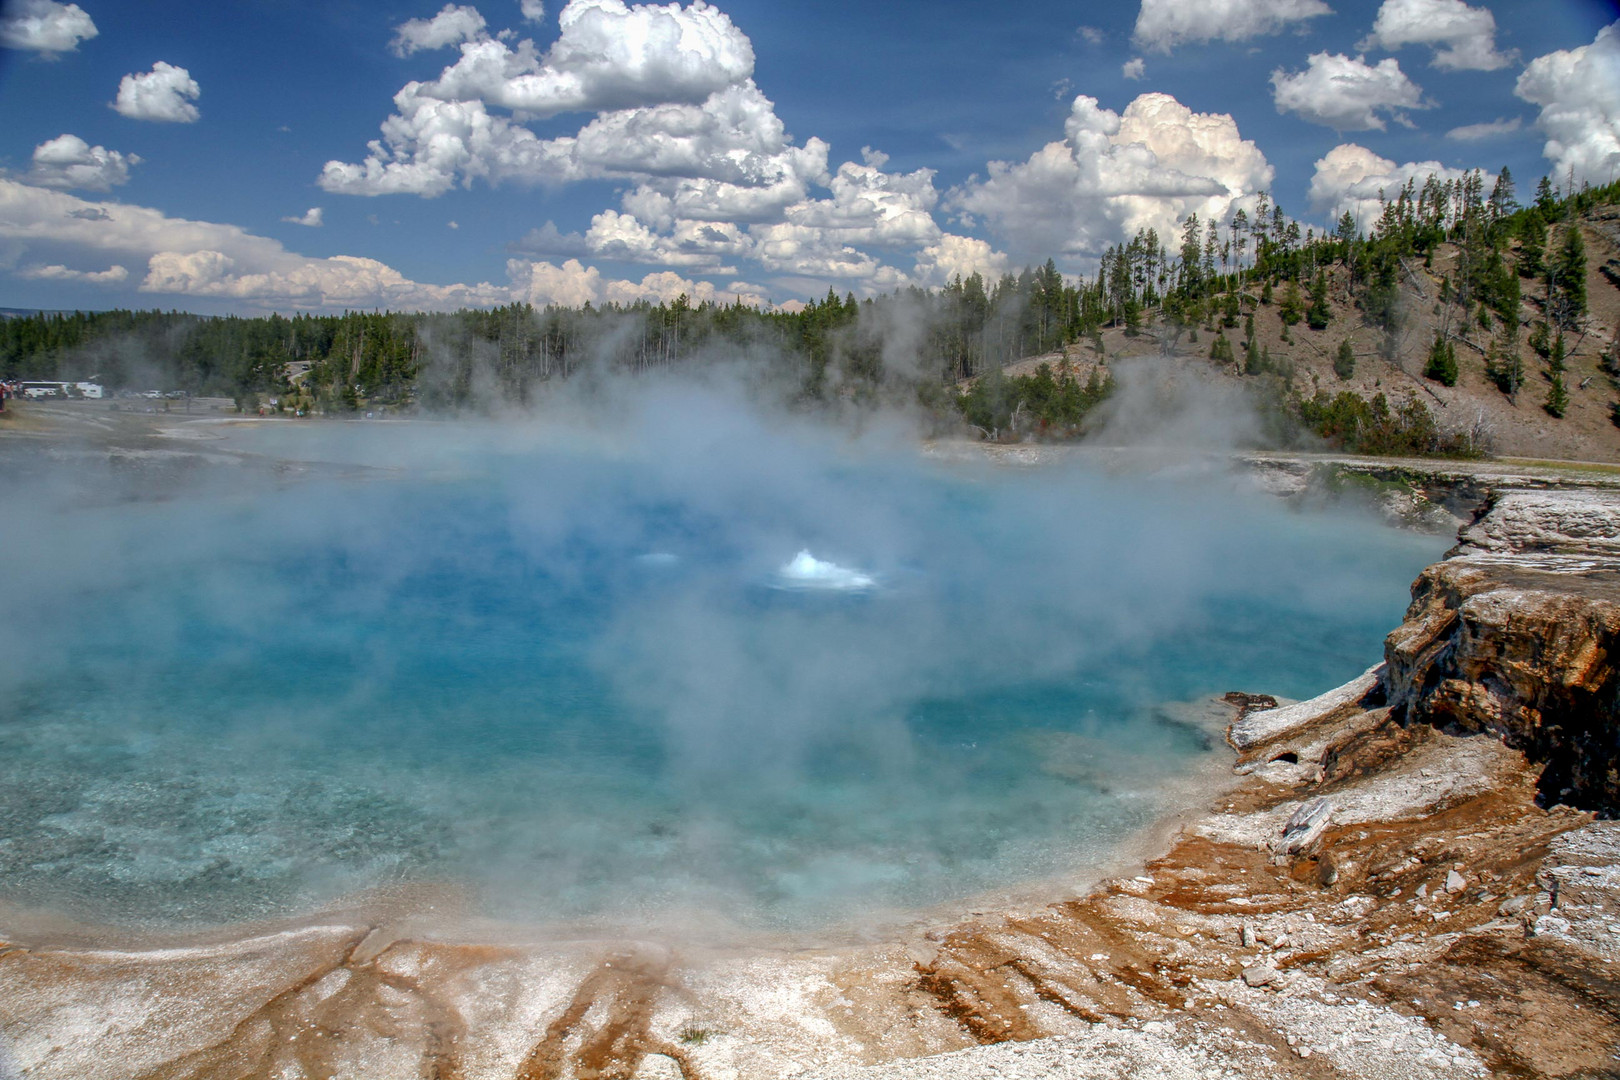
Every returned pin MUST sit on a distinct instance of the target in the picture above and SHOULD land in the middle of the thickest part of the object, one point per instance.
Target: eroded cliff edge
(1408, 881)
(1518, 633)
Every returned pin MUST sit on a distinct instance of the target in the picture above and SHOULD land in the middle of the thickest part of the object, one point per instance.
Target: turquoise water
(591, 683)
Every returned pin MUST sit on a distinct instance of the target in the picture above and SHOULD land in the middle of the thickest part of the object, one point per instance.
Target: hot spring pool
(775, 681)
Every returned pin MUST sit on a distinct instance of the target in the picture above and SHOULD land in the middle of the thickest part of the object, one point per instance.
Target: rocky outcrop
(1518, 634)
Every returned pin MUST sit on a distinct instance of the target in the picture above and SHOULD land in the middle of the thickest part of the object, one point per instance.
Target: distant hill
(23, 313)
(1302, 362)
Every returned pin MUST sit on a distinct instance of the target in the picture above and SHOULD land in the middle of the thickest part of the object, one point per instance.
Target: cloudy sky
(281, 155)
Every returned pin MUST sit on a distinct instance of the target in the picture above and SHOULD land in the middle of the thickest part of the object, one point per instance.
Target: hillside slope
(1514, 427)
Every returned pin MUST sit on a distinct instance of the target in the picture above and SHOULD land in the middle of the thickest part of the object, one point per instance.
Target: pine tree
(1541, 340)
(1252, 362)
(1292, 306)
(1318, 315)
(1192, 249)
(1508, 300)
(1532, 245)
(1442, 365)
(1502, 202)
(1503, 366)
(1344, 361)
(1546, 202)
(1557, 397)
(1566, 279)
(1345, 232)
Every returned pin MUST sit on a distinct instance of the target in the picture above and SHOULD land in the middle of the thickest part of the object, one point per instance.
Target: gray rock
(1455, 883)
(1260, 975)
(1550, 924)
(1266, 725)
(1305, 827)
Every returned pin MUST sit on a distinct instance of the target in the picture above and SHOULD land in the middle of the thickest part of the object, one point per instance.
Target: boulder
(1260, 975)
(1518, 634)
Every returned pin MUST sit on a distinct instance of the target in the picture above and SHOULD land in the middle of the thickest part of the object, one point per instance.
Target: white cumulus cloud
(713, 175)
(1346, 94)
(726, 159)
(704, 199)
(870, 206)
(666, 285)
(1148, 167)
(573, 283)
(67, 161)
(958, 256)
(429, 144)
(1164, 24)
(164, 94)
(569, 285)
(532, 10)
(698, 245)
(1351, 177)
(310, 218)
(1463, 38)
(802, 251)
(608, 56)
(1134, 68)
(1579, 94)
(337, 281)
(113, 275)
(444, 132)
(203, 259)
(733, 136)
(451, 26)
(46, 26)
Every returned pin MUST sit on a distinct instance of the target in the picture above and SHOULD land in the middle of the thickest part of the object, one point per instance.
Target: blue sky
(603, 150)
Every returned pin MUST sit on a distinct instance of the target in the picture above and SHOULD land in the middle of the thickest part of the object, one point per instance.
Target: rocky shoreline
(1407, 880)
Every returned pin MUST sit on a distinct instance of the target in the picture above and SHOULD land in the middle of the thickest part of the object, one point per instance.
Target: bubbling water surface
(621, 681)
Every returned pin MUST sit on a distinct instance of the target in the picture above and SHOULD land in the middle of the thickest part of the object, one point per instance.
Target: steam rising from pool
(740, 668)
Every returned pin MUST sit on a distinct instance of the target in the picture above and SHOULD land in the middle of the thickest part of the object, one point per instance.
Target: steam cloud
(378, 673)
